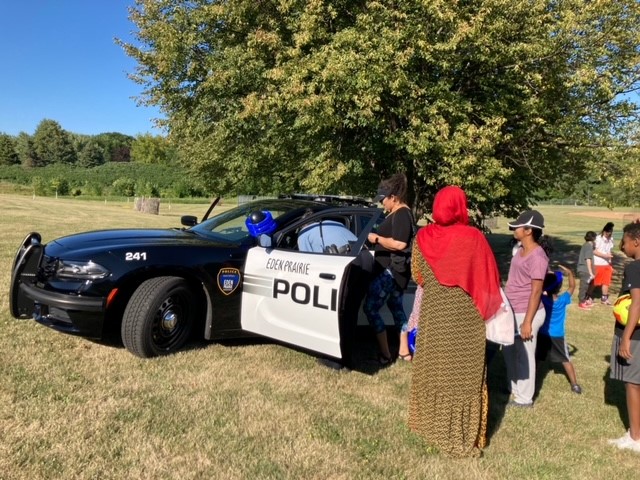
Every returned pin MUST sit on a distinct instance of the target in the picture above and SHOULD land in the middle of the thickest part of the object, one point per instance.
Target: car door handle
(328, 276)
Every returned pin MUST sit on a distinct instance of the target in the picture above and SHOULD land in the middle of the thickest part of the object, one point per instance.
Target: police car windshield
(230, 226)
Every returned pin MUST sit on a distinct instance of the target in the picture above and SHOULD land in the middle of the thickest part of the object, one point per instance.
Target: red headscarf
(458, 254)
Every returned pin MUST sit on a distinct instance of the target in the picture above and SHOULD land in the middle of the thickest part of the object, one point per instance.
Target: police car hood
(101, 240)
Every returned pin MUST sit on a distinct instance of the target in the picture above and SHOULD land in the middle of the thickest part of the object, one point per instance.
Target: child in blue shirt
(551, 343)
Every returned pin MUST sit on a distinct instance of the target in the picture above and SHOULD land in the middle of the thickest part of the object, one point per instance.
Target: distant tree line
(51, 144)
(55, 161)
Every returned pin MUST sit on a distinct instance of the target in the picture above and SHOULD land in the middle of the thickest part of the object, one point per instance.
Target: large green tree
(52, 144)
(117, 146)
(8, 152)
(502, 97)
(26, 152)
(147, 148)
(617, 177)
(91, 154)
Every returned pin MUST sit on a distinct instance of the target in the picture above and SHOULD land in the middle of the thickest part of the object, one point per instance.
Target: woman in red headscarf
(453, 262)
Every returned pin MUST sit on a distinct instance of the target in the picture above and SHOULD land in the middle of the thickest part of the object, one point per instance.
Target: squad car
(156, 288)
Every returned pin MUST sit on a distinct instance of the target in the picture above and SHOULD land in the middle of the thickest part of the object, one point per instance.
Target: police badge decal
(228, 280)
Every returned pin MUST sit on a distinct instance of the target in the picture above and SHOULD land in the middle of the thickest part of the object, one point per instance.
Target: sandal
(407, 357)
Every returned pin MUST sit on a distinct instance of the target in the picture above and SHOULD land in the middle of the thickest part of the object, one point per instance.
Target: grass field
(73, 409)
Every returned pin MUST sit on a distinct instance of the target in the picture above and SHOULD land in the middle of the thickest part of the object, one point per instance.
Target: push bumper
(67, 313)
(62, 300)
(74, 314)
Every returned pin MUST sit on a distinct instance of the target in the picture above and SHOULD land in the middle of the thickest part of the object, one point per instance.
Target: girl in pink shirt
(529, 266)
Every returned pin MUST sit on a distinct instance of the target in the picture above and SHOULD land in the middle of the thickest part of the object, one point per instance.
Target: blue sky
(59, 61)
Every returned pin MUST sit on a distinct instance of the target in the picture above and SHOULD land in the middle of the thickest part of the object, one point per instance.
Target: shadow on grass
(363, 356)
(544, 367)
(115, 341)
(498, 388)
(614, 394)
(363, 359)
(498, 384)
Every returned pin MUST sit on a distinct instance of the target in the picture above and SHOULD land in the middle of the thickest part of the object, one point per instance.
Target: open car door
(307, 299)
(294, 297)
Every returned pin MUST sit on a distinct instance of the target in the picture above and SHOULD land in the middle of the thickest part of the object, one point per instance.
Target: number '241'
(135, 256)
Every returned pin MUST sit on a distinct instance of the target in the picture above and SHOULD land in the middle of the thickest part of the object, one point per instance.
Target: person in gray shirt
(586, 271)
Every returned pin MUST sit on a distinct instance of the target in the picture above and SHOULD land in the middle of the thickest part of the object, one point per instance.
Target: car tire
(159, 317)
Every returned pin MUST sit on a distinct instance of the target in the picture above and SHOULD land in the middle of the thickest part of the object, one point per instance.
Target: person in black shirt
(625, 348)
(392, 269)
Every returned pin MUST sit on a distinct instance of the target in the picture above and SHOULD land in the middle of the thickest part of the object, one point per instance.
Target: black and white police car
(155, 288)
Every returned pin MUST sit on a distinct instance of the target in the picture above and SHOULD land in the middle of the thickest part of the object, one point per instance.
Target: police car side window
(288, 237)
(288, 240)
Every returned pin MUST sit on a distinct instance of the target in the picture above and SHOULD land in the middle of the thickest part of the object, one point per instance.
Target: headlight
(80, 270)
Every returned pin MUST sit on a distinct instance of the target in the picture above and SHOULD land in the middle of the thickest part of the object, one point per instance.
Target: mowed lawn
(74, 409)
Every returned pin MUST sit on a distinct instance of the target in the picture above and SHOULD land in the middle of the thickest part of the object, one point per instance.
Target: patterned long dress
(448, 402)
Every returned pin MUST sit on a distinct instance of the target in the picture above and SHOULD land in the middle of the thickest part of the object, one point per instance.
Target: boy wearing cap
(551, 343)
(527, 271)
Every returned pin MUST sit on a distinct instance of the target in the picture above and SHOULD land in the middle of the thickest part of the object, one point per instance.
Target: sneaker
(585, 306)
(606, 302)
(631, 444)
(513, 403)
(625, 442)
(588, 302)
(616, 442)
(576, 389)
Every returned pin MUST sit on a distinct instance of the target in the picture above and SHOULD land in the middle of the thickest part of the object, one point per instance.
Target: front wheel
(159, 317)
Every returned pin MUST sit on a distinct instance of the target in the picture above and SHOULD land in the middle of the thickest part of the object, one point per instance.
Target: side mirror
(189, 220)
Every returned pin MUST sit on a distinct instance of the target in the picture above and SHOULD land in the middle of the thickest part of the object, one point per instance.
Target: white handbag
(501, 327)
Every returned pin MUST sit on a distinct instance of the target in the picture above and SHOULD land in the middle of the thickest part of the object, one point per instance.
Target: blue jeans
(384, 288)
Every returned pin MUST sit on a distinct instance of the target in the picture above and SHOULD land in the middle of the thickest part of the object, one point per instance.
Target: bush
(185, 189)
(40, 186)
(124, 186)
(94, 188)
(147, 189)
(150, 179)
(60, 186)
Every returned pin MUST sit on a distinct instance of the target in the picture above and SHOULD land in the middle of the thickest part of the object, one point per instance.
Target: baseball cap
(381, 194)
(530, 218)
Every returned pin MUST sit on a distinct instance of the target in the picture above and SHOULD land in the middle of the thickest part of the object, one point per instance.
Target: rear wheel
(159, 317)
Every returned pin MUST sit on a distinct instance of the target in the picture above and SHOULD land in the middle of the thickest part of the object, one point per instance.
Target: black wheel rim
(171, 322)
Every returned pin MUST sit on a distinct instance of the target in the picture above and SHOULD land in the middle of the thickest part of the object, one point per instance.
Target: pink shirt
(522, 271)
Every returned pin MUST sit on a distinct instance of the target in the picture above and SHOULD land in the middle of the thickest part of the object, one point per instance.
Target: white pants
(520, 359)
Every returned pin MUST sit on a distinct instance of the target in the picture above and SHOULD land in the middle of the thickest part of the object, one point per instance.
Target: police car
(156, 288)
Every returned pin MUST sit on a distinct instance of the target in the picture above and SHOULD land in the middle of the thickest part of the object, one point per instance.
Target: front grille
(59, 315)
(48, 268)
